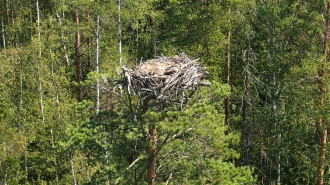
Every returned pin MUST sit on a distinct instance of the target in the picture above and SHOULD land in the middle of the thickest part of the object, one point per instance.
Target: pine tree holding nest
(163, 80)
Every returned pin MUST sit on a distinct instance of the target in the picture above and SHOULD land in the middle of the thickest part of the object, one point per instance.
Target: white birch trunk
(106, 157)
(20, 100)
(97, 61)
(72, 169)
(38, 26)
(39, 55)
(274, 106)
(20, 121)
(20, 117)
(62, 40)
(5, 179)
(119, 34)
(3, 35)
(59, 117)
(5, 173)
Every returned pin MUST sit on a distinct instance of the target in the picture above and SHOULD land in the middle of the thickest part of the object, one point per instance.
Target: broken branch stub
(165, 78)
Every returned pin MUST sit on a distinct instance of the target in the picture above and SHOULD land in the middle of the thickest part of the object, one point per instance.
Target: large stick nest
(165, 78)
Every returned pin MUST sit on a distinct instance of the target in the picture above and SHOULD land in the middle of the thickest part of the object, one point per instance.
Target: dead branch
(169, 178)
(133, 163)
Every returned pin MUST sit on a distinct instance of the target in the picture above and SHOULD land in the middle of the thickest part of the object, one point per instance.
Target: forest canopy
(164, 92)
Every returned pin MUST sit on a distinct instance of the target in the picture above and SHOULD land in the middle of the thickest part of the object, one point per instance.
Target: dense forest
(66, 120)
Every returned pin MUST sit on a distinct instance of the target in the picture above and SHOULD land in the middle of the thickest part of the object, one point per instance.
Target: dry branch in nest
(165, 79)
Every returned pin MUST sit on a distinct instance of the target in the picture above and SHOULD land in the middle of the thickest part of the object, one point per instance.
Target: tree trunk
(97, 60)
(38, 26)
(72, 168)
(39, 72)
(89, 41)
(20, 111)
(3, 35)
(152, 148)
(152, 154)
(323, 130)
(78, 59)
(12, 12)
(119, 34)
(227, 100)
(274, 104)
(59, 117)
(62, 40)
(245, 129)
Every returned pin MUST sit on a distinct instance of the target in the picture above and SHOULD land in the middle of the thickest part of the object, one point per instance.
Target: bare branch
(177, 135)
(133, 163)
(169, 178)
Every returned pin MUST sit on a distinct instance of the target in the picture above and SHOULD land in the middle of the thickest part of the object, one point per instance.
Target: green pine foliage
(180, 137)
(47, 137)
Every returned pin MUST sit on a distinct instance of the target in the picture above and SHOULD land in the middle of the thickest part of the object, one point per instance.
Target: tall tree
(321, 126)
(78, 54)
(227, 100)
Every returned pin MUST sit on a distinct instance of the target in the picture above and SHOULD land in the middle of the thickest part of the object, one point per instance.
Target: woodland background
(264, 120)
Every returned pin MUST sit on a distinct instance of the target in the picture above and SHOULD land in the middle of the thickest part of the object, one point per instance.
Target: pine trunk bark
(152, 148)
(152, 154)
(323, 130)
(78, 59)
(89, 41)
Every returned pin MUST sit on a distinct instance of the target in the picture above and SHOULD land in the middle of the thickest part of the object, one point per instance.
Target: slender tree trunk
(227, 100)
(119, 34)
(79, 74)
(20, 107)
(3, 35)
(5, 179)
(7, 8)
(97, 69)
(38, 26)
(72, 168)
(3, 27)
(152, 148)
(5, 170)
(152, 154)
(20, 111)
(78, 59)
(62, 40)
(12, 12)
(89, 41)
(59, 117)
(245, 126)
(323, 130)
(97, 34)
(39, 72)
(274, 105)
